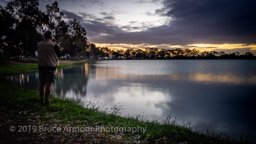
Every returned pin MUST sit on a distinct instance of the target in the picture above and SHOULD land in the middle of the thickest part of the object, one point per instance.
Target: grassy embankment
(24, 67)
(20, 107)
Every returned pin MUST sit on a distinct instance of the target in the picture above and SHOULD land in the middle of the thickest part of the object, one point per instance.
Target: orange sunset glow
(201, 47)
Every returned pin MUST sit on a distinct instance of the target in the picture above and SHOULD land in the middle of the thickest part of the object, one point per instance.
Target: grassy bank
(20, 107)
(24, 120)
(23, 67)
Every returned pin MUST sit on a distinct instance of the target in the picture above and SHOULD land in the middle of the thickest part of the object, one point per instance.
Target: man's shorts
(47, 76)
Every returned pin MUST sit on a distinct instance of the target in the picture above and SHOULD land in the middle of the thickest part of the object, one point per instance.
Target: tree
(54, 15)
(162, 53)
(28, 19)
(248, 55)
(6, 31)
(78, 38)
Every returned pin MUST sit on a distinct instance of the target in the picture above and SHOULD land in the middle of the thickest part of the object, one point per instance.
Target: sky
(221, 25)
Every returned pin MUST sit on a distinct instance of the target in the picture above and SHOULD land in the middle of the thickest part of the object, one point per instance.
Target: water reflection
(108, 73)
(216, 94)
(71, 82)
(25, 80)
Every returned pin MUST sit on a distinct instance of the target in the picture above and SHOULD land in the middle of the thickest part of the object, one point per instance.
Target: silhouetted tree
(78, 38)
(25, 19)
(6, 32)
(22, 26)
(248, 55)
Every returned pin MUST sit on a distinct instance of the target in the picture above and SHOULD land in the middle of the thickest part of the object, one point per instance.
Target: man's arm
(57, 50)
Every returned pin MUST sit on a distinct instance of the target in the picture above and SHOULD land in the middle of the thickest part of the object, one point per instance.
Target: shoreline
(16, 67)
(65, 119)
(20, 107)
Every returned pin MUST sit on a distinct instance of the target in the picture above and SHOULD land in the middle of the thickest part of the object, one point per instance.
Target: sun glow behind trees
(201, 47)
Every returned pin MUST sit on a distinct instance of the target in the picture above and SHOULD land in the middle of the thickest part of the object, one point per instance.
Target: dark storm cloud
(85, 17)
(109, 18)
(208, 21)
(214, 20)
(106, 14)
(71, 15)
(96, 27)
(86, 1)
(146, 1)
(68, 4)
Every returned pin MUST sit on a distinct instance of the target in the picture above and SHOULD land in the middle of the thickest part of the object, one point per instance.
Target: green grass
(24, 105)
(21, 107)
(9, 68)
(24, 67)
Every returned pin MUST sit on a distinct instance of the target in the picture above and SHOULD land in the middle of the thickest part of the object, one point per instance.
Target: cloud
(71, 15)
(148, 1)
(109, 18)
(74, 5)
(218, 21)
(96, 28)
(191, 21)
(214, 20)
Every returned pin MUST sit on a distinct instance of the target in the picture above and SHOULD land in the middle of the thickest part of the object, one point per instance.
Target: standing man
(48, 53)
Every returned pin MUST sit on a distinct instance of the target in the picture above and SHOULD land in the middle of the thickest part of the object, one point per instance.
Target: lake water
(218, 95)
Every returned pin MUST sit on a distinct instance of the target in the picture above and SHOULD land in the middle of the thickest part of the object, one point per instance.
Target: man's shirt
(47, 54)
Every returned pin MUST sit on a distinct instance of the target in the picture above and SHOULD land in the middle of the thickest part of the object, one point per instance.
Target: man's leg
(42, 92)
(47, 92)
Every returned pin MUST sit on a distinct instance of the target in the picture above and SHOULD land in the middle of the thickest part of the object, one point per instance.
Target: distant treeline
(23, 25)
(155, 53)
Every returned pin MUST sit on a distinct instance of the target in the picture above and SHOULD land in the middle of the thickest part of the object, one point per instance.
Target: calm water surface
(219, 95)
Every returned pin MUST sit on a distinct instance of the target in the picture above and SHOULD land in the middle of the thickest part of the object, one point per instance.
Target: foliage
(155, 53)
(23, 24)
